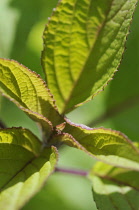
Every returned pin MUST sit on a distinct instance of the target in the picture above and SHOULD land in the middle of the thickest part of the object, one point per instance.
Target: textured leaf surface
(83, 45)
(24, 169)
(28, 91)
(106, 145)
(109, 195)
(122, 103)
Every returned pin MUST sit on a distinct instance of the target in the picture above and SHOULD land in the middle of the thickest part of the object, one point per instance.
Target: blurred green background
(21, 26)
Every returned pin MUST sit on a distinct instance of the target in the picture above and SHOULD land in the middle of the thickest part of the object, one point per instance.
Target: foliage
(83, 45)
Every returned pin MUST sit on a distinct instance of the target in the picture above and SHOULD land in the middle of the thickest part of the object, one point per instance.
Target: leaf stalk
(71, 171)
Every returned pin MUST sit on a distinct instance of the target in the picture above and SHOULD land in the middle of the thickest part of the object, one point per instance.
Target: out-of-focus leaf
(83, 45)
(118, 175)
(24, 168)
(109, 195)
(29, 92)
(107, 145)
(8, 20)
(39, 11)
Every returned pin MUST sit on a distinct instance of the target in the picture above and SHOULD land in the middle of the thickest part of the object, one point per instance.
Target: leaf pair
(83, 45)
(25, 163)
(115, 186)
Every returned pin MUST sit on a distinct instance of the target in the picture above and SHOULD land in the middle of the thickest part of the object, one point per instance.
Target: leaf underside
(24, 169)
(106, 145)
(83, 45)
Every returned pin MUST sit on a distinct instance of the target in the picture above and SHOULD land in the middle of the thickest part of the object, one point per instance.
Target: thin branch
(72, 171)
(117, 109)
(2, 125)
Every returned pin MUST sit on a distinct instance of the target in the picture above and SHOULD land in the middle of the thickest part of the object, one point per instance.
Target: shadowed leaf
(109, 195)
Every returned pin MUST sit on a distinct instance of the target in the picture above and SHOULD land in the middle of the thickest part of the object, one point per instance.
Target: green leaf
(24, 168)
(118, 175)
(29, 92)
(20, 137)
(109, 195)
(114, 188)
(107, 145)
(122, 102)
(83, 45)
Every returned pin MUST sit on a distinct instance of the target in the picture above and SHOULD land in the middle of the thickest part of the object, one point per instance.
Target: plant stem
(71, 171)
(2, 125)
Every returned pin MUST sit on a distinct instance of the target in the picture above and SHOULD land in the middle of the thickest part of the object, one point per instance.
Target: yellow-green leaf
(107, 145)
(108, 195)
(83, 45)
(29, 92)
(24, 167)
(119, 176)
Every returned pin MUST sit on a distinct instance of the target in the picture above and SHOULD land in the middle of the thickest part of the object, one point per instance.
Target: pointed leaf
(109, 195)
(29, 92)
(122, 103)
(24, 168)
(106, 145)
(83, 45)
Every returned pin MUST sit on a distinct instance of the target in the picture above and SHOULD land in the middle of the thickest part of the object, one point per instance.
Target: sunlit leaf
(107, 145)
(24, 167)
(83, 45)
(28, 91)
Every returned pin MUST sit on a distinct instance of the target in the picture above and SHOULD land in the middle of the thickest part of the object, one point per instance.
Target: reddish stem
(72, 171)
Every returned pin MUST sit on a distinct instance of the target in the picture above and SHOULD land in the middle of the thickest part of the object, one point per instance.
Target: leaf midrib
(91, 49)
(30, 161)
(107, 177)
